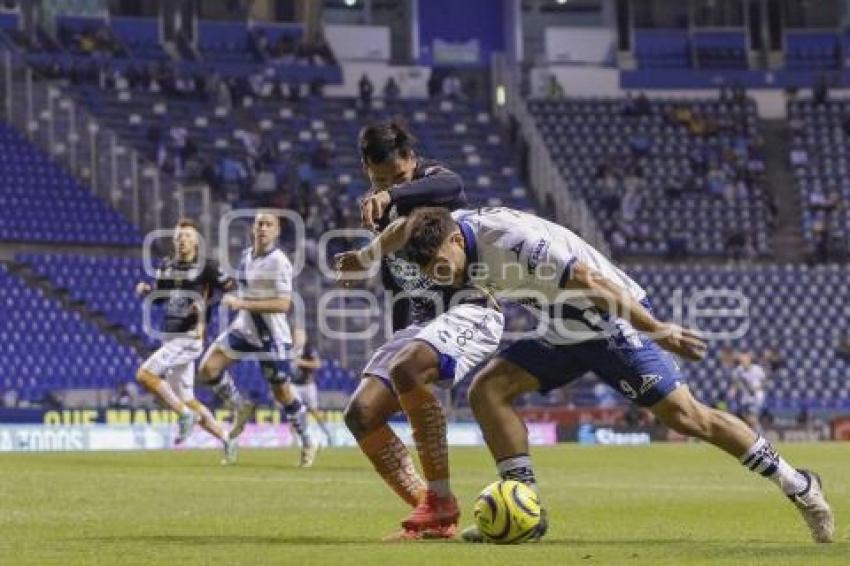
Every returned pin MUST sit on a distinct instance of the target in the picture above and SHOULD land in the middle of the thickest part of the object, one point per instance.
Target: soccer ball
(507, 512)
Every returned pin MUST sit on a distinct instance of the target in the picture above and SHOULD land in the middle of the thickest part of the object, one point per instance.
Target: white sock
(518, 468)
(763, 458)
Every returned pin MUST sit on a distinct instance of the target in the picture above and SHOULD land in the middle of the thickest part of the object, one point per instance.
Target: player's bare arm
(614, 299)
(373, 207)
(309, 364)
(259, 306)
(390, 240)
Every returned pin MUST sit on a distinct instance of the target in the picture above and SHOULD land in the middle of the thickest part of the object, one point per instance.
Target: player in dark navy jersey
(401, 182)
(185, 283)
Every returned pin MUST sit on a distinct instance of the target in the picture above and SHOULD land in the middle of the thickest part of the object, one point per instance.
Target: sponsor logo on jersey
(536, 253)
(648, 382)
(628, 390)
(517, 249)
(407, 275)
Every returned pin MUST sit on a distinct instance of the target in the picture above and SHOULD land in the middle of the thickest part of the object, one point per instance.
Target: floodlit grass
(664, 504)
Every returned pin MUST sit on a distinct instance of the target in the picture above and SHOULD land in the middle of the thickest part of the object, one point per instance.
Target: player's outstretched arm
(439, 187)
(309, 363)
(259, 306)
(391, 240)
(617, 301)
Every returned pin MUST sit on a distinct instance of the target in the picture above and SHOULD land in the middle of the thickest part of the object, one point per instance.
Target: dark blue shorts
(645, 374)
(274, 364)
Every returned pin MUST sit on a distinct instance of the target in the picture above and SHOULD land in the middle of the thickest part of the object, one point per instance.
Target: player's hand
(373, 208)
(683, 342)
(347, 264)
(143, 288)
(232, 302)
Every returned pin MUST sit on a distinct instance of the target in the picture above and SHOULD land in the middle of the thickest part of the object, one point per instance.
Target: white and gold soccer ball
(507, 512)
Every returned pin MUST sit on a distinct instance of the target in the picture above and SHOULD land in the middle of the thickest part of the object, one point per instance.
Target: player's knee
(485, 392)
(358, 418)
(494, 385)
(147, 379)
(688, 418)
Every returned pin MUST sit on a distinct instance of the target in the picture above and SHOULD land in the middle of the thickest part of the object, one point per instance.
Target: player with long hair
(422, 342)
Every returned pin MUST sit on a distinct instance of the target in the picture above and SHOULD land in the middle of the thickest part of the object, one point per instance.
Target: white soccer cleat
(815, 509)
(185, 424)
(308, 456)
(231, 449)
(244, 413)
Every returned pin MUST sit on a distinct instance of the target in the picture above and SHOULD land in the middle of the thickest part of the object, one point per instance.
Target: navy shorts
(274, 364)
(639, 369)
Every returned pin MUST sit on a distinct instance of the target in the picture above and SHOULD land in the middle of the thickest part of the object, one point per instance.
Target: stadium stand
(782, 300)
(141, 37)
(694, 167)
(298, 141)
(721, 50)
(812, 51)
(820, 134)
(47, 348)
(236, 112)
(680, 49)
(776, 315)
(106, 285)
(41, 202)
(662, 49)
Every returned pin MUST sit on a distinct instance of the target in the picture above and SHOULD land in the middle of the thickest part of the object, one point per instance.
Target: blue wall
(458, 21)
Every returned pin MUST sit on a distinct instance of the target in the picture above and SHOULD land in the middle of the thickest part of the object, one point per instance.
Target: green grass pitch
(664, 504)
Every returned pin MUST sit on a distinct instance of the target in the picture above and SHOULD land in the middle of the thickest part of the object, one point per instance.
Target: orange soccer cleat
(432, 512)
(434, 533)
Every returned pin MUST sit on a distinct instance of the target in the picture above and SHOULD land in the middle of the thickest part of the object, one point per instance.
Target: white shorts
(753, 404)
(464, 337)
(274, 358)
(309, 394)
(379, 363)
(174, 361)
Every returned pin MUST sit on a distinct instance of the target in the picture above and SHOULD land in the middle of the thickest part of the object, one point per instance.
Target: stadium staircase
(790, 246)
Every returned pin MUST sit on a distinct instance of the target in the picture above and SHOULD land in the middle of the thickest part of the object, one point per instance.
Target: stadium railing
(547, 182)
(45, 112)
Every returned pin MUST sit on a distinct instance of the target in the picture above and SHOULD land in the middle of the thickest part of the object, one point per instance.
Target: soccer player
(306, 364)
(600, 321)
(748, 383)
(261, 331)
(402, 181)
(169, 372)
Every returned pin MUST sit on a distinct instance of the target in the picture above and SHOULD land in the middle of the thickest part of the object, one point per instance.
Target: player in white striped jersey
(260, 332)
(748, 386)
(608, 328)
